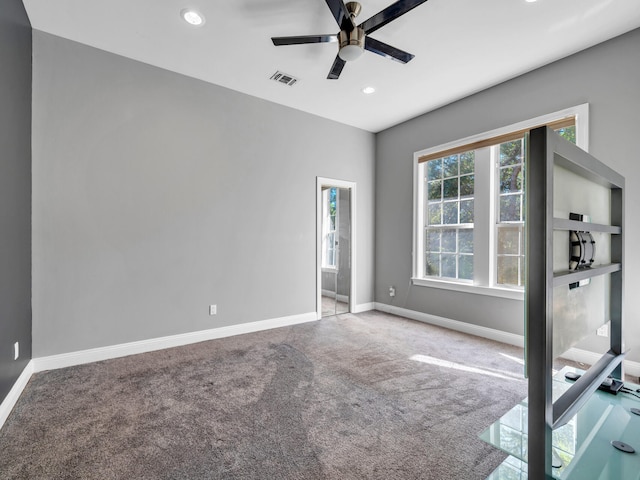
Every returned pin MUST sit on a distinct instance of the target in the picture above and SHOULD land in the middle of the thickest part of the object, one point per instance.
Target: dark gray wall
(15, 191)
(156, 195)
(606, 76)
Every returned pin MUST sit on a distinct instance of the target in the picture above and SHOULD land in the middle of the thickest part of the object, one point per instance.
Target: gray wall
(156, 195)
(15, 191)
(606, 76)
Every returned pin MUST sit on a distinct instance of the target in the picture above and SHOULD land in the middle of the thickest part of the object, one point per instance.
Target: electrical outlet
(392, 291)
(213, 309)
(603, 331)
(16, 350)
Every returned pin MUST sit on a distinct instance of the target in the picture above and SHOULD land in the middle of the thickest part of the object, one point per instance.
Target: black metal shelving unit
(546, 150)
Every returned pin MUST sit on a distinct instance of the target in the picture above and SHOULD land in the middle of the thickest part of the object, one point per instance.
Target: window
(329, 227)
(449, 222)
(469, 209)
(510, 218)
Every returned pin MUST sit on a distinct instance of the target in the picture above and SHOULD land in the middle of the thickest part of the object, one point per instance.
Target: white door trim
(332, 182)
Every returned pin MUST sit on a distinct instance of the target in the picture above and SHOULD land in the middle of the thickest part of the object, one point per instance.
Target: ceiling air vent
(284, 78)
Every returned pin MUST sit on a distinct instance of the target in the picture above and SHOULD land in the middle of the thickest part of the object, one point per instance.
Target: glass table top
(582, 448)
(510, 469)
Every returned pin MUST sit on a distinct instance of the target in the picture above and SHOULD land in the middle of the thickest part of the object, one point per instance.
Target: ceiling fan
(354, 39)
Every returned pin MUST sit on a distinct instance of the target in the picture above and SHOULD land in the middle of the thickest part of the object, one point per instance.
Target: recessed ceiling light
(531, 1)
(192, 17)
(368, 90)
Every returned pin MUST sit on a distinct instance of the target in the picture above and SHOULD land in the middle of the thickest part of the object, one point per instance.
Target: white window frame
(484, 282)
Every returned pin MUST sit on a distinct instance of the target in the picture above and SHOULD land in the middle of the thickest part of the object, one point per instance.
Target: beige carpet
(367, 396)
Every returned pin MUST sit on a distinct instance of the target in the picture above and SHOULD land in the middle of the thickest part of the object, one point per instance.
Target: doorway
(335, 246)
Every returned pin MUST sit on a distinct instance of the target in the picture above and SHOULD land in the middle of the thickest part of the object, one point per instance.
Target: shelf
(583, 445)
(566, 224)
(576, 160)
(573, 399)
(546, 151)
(510, 469)
(574, 276)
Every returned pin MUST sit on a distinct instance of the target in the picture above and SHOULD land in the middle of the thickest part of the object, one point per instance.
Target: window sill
(329, 269)
(470, 288)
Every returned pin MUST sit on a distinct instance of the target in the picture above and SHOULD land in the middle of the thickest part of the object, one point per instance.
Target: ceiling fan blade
(387, 51)
(341, 14)
(299, 40)
(389, 14)
(336, 69)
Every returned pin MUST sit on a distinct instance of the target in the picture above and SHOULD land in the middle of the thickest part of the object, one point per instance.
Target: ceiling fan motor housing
(351, 44)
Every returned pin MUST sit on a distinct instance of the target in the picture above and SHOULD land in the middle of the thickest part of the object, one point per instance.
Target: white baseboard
(14, 394)
(477, 330)
(581, 356)
(585, 356)
(574, 354)
(122, 350)
(632, 368)
(364, 307)
(340, 297)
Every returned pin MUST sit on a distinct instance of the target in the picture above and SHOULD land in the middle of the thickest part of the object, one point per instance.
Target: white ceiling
(460, 46)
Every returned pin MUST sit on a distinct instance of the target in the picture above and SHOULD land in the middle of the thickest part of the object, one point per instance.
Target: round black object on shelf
(571, 376)
(623, 447)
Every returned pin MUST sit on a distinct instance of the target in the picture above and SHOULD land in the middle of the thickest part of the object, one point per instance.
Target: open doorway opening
(335, 246)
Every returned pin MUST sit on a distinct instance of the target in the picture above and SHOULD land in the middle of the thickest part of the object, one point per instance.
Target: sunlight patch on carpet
(464, 368)
(519, 361)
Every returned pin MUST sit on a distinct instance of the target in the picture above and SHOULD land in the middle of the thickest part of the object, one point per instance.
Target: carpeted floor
(366, 396)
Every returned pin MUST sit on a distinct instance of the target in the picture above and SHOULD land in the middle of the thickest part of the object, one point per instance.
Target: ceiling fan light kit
(353, 39)
(351, 44)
